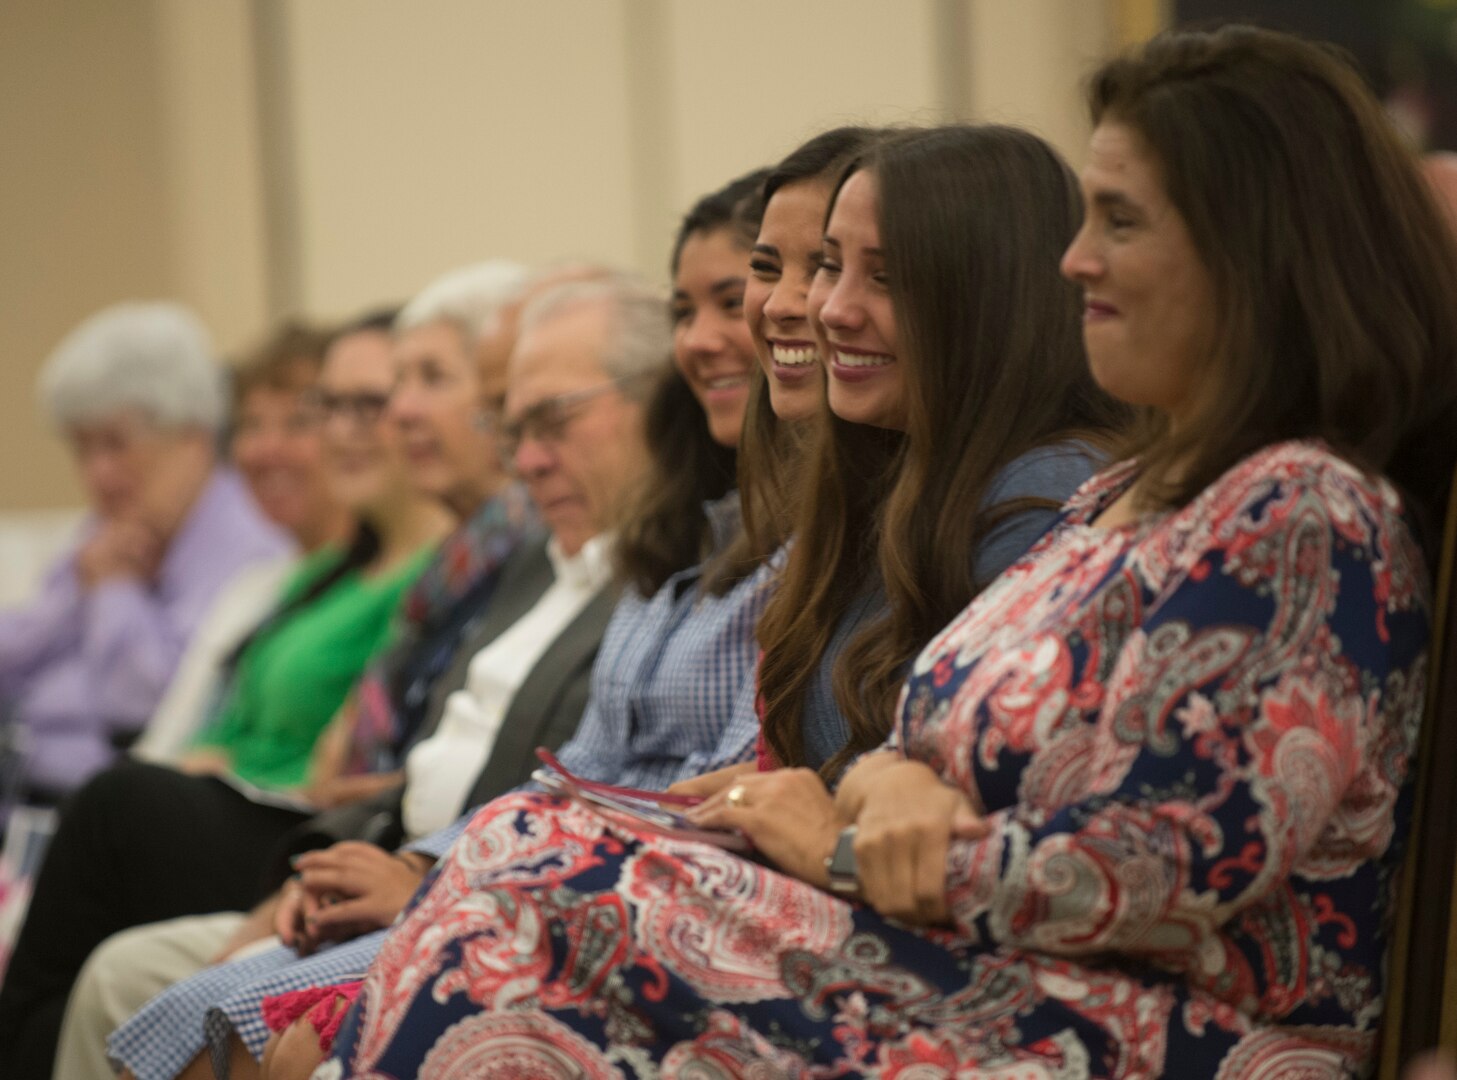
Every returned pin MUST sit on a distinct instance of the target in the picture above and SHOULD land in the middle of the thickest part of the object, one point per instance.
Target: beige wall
(1029, 58)
(267, 157)
(424, 135)
(430, 134)
(83, 207)
(558, 128)
(130, 171)
(212, 143)
(751, 80)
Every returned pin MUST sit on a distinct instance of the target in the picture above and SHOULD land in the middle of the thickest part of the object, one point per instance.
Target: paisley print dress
(1190, 738)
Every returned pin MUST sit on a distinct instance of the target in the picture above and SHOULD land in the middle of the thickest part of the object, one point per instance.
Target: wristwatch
(840, 865)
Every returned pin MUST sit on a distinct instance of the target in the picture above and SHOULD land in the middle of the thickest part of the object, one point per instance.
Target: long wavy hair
(973, 222)
(1334, 271)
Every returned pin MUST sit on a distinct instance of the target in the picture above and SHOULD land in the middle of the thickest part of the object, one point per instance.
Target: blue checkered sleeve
(739, 740)
(166, 1034)
(240, 1011)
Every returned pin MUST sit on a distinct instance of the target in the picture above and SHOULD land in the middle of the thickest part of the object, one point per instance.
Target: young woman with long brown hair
(962, 418)
(786, 404)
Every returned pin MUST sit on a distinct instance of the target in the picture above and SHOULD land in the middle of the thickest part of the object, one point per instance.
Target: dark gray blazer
(544, 712)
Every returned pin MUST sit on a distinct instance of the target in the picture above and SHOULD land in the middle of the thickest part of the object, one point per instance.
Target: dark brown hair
(772, 454)
(848, 473)
(973, 222)
(1334, 273)
(288, 360)
(666, 530)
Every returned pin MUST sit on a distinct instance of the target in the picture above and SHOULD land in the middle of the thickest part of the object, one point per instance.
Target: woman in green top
(293, 673)
(296, 671)
(117, 858)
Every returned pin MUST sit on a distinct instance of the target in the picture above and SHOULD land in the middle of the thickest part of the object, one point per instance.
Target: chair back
(1421, 975)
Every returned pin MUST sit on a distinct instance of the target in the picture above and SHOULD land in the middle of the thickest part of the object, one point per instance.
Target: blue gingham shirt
(179, 1023)
(673, 673)
(673, 677)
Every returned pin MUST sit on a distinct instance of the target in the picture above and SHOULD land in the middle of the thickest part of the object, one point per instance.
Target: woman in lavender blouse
(140, 399)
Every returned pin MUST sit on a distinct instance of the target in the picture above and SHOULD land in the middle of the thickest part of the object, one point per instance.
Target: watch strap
(840, 865)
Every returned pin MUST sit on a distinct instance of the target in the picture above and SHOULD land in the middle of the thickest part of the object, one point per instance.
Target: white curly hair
(155, 357)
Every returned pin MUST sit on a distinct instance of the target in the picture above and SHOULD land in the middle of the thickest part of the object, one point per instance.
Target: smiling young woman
(943, 323)
(696, 415)
(711, 343)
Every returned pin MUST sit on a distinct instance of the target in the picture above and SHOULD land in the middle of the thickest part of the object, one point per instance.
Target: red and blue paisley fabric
(1191, 739)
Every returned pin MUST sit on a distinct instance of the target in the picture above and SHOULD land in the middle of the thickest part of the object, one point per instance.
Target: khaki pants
(125, 972)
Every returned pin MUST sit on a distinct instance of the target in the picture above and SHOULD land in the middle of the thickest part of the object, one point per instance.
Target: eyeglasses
(547, 421)
(363, 408)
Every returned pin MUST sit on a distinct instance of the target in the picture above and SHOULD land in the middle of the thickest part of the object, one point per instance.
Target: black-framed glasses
(548, 420)
(364, 408)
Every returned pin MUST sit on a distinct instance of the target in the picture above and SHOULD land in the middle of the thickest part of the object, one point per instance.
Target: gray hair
(470, 298)
(154, 357)
(642, 333)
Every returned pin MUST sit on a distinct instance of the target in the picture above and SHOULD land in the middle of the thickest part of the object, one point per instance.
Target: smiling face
(436, 404)
(278, 449)
(361, 448)
(852, 305)
(782, 269)
(1149, 312)
(711, 343)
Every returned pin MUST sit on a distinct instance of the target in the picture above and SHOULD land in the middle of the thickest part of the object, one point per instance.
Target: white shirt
(440, 770)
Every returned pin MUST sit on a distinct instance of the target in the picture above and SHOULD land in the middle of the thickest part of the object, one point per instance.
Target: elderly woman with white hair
(140, 399)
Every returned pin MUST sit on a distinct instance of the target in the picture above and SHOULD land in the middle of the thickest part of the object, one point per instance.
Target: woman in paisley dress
(1146, 795)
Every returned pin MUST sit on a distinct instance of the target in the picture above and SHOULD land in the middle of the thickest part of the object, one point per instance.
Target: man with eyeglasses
(572, 397)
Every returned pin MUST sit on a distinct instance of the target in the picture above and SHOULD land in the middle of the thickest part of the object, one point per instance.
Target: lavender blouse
(78, 666)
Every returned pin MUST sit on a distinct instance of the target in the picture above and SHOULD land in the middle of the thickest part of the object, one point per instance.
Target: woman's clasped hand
(905, 817)
(343, 891)
(787, 814)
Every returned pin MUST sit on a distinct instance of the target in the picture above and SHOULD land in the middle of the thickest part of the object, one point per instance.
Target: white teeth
(727, 382)
(794, 356)
(863, 360)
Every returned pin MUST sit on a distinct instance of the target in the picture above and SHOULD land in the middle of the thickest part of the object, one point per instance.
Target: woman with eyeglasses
(287, 681)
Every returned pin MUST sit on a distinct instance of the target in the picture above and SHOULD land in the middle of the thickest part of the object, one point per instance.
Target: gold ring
(735, 796)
